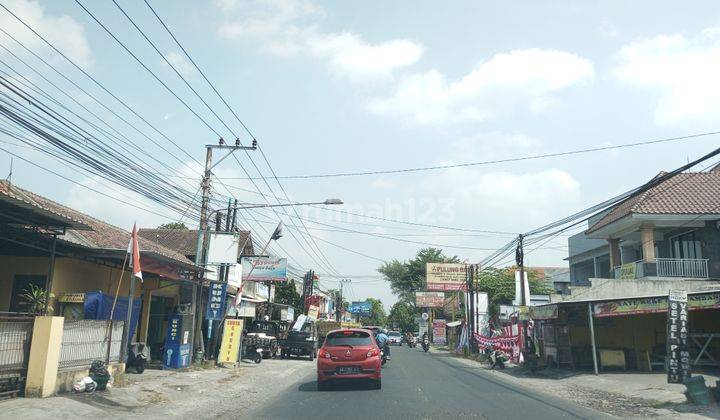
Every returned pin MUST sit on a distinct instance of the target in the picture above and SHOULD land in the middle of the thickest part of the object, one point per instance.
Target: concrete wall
(603, 289)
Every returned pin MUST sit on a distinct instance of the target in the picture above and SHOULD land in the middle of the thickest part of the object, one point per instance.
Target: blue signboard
(215, 308)
(361, 308)
(176, 356)
(173, 330)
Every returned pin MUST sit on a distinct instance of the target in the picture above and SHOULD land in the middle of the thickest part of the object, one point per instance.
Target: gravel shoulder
(202, 393)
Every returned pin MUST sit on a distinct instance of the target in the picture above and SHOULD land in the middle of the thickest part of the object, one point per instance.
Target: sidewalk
(200, 393)
(638, 395)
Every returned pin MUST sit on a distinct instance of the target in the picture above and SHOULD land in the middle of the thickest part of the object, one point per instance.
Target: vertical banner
(232, 336)
(677, 337)
(439, 331)
(215, 308)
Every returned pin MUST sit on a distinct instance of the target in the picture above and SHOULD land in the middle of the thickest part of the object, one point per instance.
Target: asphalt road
(420, 385)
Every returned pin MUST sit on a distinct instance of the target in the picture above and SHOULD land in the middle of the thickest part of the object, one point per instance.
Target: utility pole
(339, 301)
(471, 297)
(520, 260)
(201, 245)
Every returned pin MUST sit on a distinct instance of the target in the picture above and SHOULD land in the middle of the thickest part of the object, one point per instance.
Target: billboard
(230, 344)
(429, 299)
(223, 248)
(360, 308)
(446, 276)
(264, 269)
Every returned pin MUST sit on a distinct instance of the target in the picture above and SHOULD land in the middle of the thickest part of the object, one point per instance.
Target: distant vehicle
(265, 334)
(301, 343)
(395, 337)
(375, 329)
(349, 355)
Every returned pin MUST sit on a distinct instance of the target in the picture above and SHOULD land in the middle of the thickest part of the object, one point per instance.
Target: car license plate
(347, 370)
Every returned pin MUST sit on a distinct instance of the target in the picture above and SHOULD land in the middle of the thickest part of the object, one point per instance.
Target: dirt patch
(152, 397)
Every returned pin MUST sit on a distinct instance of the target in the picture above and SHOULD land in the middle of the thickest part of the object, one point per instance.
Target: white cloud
(181, 64)
(518, 79)
(279, 26)
(64, 32)
(683, 71)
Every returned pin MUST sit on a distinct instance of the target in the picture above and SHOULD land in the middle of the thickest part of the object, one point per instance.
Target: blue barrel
(176, 356)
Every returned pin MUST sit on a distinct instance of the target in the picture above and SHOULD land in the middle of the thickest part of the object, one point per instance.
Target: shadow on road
(336, 387)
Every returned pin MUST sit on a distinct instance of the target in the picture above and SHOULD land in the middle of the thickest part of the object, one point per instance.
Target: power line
(491, 162)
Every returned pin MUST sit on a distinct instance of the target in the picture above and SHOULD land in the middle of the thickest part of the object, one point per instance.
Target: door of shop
(160, 310)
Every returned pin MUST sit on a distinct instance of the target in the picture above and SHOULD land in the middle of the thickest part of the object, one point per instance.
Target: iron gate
(15, 337)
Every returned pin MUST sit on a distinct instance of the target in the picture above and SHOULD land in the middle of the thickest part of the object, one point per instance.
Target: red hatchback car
(349, 354)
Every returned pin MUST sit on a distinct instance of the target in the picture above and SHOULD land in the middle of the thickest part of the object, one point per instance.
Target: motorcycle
(383, 358)
(138, 357)
(411, 341)
(497, 359)
(425, 344)
(251, 349)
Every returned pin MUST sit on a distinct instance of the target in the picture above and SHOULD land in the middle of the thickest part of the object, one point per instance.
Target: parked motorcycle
(138, 357)
(497, 359)
(252, 349)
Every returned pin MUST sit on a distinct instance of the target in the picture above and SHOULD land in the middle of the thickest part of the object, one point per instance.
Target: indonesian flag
(134, 251)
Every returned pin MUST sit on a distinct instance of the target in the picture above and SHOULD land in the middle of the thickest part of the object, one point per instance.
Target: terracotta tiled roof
(691, 193)
(101, 235)
(184, 241)
(22, 199)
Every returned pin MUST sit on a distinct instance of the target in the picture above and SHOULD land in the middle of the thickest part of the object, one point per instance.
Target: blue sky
(356, 85)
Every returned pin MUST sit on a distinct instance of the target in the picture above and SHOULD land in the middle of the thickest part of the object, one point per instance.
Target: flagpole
(108, 334)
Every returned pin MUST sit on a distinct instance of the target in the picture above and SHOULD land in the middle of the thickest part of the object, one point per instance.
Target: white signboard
(234, 275)
(299, 323)
(223, 248)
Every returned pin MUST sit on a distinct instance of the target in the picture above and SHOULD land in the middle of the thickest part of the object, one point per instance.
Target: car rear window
(394, 334)
(348, 338)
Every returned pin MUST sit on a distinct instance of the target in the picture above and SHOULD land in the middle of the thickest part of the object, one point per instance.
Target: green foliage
(377, 314)
(402, 315)
(287, 294)
(499, 284)
(36, 297)
(408, 277)
(173, 225)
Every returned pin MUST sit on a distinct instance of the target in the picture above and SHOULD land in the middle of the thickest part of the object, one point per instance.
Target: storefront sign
(173, 330)
(232, 336)
(264, 269)
(216, 301)
(223, 248)
(439, 327)
(653, 305)
(677, 337)
(72, 298)
(446, 277)
(313, 312)
(544, 312)
(246, 309)
(429, 299)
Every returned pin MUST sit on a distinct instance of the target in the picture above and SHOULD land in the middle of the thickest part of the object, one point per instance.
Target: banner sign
(653, 305)
(627, 271)
(510, 345)
(429, 299)
(232, 336)
(72, 298)
(360, 308)
(446, 277)
(313, 312)
(216, 301)
(223, 248)
(677, 337)
(439, 327)
(265, 269)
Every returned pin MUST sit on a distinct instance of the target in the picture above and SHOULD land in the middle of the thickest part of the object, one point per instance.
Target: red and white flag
(134, 251)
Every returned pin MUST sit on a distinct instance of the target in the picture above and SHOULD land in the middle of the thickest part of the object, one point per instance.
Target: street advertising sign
(223, 248)
(265, 269)
(287, 314)
(360, 308)
(439, 327)
(652, 305)
(544, 312)
(299, 322)
(313, 312)
(627, 271)
(429, 299)
(232, 336)
(446, 277)
(215, 307)
(677, 337)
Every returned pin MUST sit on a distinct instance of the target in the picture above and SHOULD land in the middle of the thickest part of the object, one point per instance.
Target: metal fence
(15, 337)
(682, 267)
(86, 340)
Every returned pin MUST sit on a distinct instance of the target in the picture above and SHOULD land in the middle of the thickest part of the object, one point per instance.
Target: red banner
(510, 345)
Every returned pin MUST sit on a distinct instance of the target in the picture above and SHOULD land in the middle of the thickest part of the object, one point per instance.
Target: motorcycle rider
(382, 340)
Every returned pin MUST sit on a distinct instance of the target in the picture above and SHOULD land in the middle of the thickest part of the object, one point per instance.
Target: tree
(377, 313)
(409, 277)
(499, 284)
(402, 316)
(287, 294)
(173, 225)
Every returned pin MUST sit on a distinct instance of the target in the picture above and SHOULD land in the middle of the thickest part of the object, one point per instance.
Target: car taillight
(373, 352)
(324, 353)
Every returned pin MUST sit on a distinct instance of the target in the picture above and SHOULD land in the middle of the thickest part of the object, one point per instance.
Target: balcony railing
(663, 267)
(677, 267)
